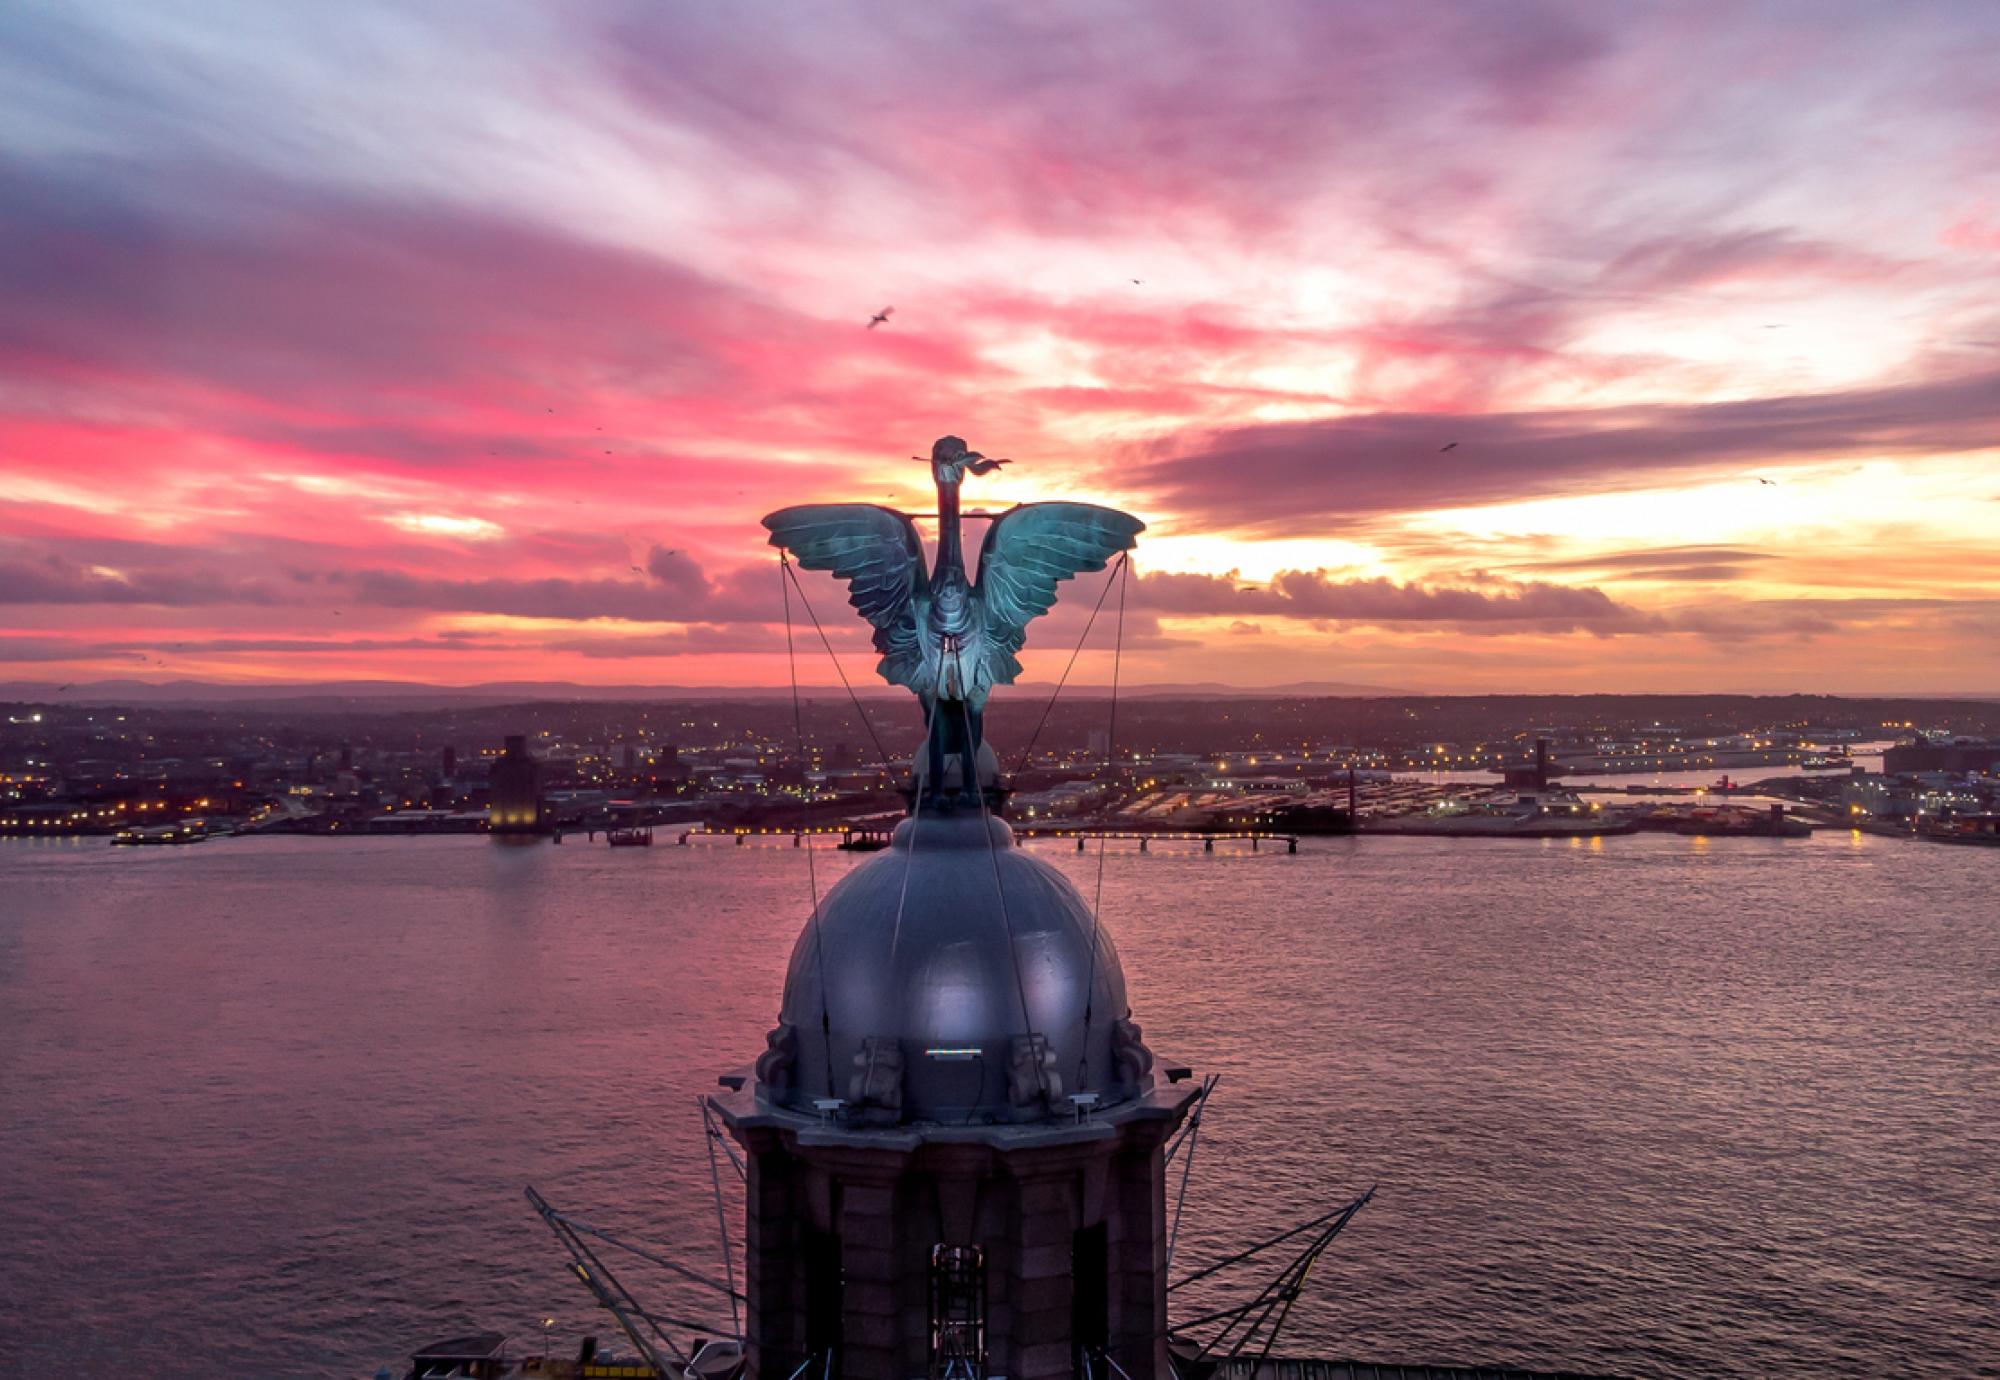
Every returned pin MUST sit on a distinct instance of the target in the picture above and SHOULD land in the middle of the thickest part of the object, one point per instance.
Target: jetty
(862, 838)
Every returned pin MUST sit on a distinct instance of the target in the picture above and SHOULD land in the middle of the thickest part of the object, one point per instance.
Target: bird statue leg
(968, 748)
(974, 736)
(937, 748)
(954, 734)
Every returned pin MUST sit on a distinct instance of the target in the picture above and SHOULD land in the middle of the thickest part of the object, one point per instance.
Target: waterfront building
(1958, 755)
(515, 786)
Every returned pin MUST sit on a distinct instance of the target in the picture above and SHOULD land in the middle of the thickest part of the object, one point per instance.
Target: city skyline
(1536, 350)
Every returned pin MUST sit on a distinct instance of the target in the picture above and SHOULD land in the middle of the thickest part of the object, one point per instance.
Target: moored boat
(1978, 830)
(162, 835)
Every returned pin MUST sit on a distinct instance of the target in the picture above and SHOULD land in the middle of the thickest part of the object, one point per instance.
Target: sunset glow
(1472, 348)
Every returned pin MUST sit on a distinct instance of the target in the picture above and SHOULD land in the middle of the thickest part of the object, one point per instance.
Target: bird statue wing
(1028, 551)
(876, 550)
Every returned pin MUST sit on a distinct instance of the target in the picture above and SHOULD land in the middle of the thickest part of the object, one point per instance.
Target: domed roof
(911, 969)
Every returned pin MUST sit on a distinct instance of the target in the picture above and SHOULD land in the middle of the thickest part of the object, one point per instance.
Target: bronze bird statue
(949, 636)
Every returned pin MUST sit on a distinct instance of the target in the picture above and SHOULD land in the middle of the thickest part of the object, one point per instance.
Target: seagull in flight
(1449, 445)
(881, 318)
(1138, 282)
(1772, 482)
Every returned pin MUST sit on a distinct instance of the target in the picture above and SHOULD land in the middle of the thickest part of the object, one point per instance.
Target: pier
(868, 837)
(1208, 838)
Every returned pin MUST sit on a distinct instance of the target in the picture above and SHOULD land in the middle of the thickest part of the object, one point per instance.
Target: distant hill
(415, 695)
(394, 694)
(388, 693)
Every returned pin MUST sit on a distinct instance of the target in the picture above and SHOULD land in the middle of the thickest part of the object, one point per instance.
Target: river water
(1649, 1105)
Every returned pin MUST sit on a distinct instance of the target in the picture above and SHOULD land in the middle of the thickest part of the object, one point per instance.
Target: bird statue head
(950, 460)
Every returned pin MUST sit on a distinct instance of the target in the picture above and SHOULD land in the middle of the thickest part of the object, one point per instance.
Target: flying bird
(1772, 482)
(61, 688)
(1138, 282)
(1449, 445)
(881, 318)
(641, 569)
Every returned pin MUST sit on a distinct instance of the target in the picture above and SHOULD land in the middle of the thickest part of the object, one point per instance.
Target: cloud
(1754, 619)
(678, 573)
(1101, 122)
(1316, 476)
(420, 334)
(55, 579)
(598, 276)
(1694, 564)
(1320, 595)
(446, 525)
(1761, 257)
(33, 649)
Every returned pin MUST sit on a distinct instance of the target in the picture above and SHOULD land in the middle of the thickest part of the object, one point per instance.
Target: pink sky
(464, 343)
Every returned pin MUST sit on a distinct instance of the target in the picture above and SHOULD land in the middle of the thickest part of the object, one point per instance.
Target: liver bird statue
(949, 637)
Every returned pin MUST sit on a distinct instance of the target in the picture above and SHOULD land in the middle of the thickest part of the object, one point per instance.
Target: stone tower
(955, 1136)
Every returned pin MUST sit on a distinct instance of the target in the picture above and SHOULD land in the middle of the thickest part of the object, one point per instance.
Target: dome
(925, 1013)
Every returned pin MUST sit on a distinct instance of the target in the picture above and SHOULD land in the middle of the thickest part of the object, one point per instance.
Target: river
(1651, 1105)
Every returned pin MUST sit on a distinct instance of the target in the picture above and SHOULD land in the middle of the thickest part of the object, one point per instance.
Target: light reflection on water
(1648, 1104)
